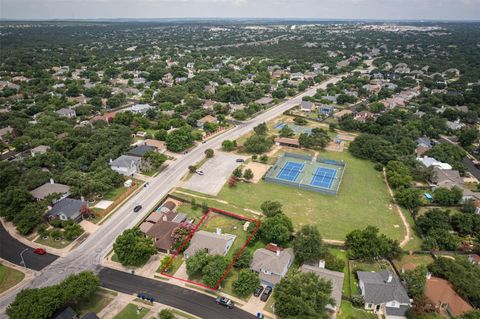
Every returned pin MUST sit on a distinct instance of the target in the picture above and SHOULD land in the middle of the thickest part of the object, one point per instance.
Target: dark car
(137, 208)
(266, 293)
(40, 251)
(240, 160)
(258, 291)
(225, 302)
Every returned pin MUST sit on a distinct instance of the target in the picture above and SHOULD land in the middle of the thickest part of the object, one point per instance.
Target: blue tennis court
(290, 171)
(323, 177)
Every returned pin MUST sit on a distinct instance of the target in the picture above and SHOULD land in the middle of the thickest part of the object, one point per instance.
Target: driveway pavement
(216, 172)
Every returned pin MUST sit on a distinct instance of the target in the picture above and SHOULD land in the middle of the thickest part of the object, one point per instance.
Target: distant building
(430, 161)
(40, 149)
(141, 150)
(285, 141)
(272, 263)
(206, 119)
(66, 112)
(307, 106)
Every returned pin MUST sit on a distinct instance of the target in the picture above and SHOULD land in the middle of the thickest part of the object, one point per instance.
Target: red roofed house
(440, 294)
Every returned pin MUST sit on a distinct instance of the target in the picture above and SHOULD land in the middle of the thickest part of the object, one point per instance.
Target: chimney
(390, 277)
(52, 181)
(321, 264)
(277, 252)
(82, 199)
(164, 217)
(429, 275)
(219, 231)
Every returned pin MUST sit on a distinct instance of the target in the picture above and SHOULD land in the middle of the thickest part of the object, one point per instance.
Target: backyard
(362, 200)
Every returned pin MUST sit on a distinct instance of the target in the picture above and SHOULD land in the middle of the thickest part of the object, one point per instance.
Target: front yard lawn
(130, 312)
(100, 300)
(176, 263)
(348, 311)
(9, 277)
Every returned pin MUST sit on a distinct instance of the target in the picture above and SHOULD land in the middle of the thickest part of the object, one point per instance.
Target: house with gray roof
(384, 294)
(141, 150)
(126, 165)
(272, 263)
(40, 149)
(334, 277)
(213, 243)
(67, 209)
(66, 112)
(307, 106)
(50, 188)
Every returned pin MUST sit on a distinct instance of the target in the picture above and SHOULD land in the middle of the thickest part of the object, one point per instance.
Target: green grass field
(9, 277)
(417, 260)
(130, 312)
(348, 311)
(363, 200)
(100, 300)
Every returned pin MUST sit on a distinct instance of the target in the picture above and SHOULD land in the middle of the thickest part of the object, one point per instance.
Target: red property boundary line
(219, 211)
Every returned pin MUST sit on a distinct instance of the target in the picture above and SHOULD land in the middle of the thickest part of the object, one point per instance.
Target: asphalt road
(187, 300)
(471, 167)
(89, 254)
(10, 249)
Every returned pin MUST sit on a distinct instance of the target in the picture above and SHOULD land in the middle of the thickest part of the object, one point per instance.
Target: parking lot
(216, 172)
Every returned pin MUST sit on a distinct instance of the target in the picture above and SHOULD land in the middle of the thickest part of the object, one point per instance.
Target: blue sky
(324, 9)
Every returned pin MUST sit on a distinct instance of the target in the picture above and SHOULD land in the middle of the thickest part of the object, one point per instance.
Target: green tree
(237, 172)
(368, 244)
(408, 198)
(308, 245)
(258, 144)
(214, 270)
(447, 197)
(261, 129)
(271, 208)
(246, 283)
(277, 229)
(302, 295)
(228, 145)
(468, 136)
(133, 248)
(415, 281)
(286, 131)
(248, 174)
(209, 153)
(398, 174)
(244, 260)
(72, 231)
(166, 314)
(180, 139)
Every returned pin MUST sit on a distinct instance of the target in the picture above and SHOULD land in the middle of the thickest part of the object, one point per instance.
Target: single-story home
(384, 293)
(446, 177)
(430, 161)
(264, 100)
(160, 146)
(213, 243)
(440, 295)
(141, 150)
(272, 263)
(325, 109)
(335, 277)
(50, 188)
(66, 112)
(342, 113)
(67, 209)
(206, 119)
(307, 106)
(126, 165)
(289, 142)
(40, 149)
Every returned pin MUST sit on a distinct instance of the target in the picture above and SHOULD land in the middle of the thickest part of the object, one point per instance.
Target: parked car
(137, 208)
(199, 172)
(258, 291)
(225, 302)
(240, 160)
(266, 293)
(40, 251)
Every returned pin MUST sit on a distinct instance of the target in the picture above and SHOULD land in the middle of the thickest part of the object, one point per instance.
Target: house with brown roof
(440, 295)
(160, 146)
(474, 259)
(161, 227)
(289, 142)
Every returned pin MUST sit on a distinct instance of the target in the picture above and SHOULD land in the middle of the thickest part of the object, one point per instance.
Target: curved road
(89, 254)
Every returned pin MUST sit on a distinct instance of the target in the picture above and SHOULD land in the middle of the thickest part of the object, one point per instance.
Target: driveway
(10, 249)
(216, 172)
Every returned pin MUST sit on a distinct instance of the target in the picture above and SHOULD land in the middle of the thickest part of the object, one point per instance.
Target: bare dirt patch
(258, 170)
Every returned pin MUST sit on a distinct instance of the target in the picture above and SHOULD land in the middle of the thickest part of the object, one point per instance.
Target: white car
(199, 172)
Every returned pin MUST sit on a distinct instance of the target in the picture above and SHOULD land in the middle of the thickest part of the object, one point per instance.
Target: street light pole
(21, 256)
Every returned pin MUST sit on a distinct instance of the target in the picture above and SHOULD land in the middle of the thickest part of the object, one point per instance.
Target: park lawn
(363, 200)
(418, 260)
(348, 311)
(415, 242)
(130, 312)
(100, 300)
(9, 277)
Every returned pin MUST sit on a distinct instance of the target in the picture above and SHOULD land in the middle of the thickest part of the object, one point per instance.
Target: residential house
(227, 81)
(384, 294)
(430, 161)
(141, 150)
(455, 126)
(364, 116)
(272, 263)
(372, 88)
(325, 109)
(40, 149)
(161, 227)
(289, 142)
(126, 165)
(208, 104)
(210, 89)
(139, 108)
(264, 101)
(66, 112)
(206, 119)
(447, 178)
(50, 188)
(278, 74)
(440, 295)
(335, 277)
(213, 243)
(331, 98)
(474, 259)
(237, 107)
(67, 209)
(297, 76)
(160, 146)
(307, 106)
